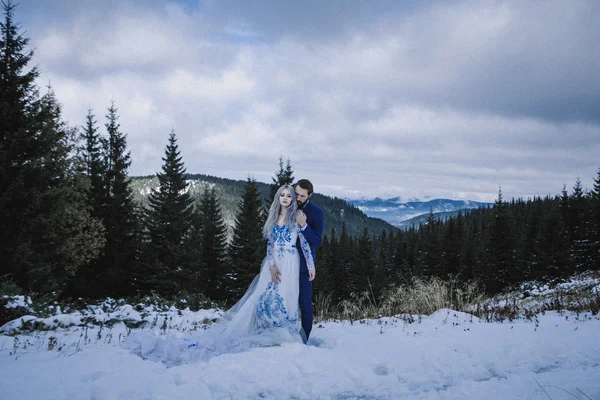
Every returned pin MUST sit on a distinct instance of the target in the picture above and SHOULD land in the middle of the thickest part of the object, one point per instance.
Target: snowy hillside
(446, 355)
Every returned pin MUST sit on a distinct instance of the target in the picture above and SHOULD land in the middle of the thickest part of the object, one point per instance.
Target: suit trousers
(305, 303)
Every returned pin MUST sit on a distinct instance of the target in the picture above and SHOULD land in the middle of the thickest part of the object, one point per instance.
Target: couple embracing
(280, 297)
(277, 306)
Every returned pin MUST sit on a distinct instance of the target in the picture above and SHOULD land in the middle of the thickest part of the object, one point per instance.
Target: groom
(311, 220)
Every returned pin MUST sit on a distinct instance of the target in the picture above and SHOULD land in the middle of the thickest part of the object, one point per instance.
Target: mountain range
(404, 215)
(229, 192)
(375, 214)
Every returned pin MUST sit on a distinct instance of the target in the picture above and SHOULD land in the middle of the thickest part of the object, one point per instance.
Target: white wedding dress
(267, 314)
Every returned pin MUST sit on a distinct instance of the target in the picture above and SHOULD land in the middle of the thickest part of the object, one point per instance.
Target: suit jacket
(315, 224)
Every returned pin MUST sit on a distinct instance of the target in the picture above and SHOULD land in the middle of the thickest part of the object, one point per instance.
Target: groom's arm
(314, 232)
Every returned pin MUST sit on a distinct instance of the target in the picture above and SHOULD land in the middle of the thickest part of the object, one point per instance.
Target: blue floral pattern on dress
(271, 312)
(282, 237)
(282, 234)
(282, 241)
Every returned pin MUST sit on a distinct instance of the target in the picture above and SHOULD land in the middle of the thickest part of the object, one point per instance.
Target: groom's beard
(301, 204)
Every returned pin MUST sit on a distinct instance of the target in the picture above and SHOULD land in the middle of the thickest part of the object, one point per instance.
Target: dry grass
(420, 297)
(426, 296)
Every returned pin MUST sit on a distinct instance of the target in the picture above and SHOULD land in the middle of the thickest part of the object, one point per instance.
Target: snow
(447, 355)
(17, 301)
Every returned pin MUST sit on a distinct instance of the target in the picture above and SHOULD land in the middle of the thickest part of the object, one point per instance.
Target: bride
(271, 301)
(266, 315)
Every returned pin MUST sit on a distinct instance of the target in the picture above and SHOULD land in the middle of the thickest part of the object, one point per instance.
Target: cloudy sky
(366, 98)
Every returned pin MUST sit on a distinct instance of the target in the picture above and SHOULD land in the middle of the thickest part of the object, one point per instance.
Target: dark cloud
(367, 98)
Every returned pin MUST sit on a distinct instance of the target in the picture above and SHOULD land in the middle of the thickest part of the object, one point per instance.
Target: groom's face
(302, 196)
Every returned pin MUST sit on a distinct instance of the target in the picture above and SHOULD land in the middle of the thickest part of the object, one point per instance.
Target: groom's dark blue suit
(313, 232)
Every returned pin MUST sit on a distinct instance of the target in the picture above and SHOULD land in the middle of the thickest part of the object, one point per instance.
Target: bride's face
(285, 198)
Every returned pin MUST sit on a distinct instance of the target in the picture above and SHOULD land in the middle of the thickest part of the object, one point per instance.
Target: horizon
(379, 99)
(364, 198)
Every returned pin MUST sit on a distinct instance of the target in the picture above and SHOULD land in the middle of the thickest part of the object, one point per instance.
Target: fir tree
(402, 266)
(451, 255)
(344, 255)
(361, 273)
(118, 263)
(248, 246)
(382, 274)
(576, 208)
(69, 236)
(337, 282)
(19, 149)
(565, 212)
(430, 256)
(92, 164)
(324, 286)
(215, 274)
(282, 177)
(47, 231)
(552, 247)
(168, 221)
(530, 249)
(500, 264)
(578, 227)
(595, 223)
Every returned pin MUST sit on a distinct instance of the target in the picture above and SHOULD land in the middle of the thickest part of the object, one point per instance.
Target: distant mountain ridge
(229, 192)
(403, 215)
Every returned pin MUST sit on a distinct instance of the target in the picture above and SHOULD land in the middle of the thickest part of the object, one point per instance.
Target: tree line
(70, 224)
(539, 239)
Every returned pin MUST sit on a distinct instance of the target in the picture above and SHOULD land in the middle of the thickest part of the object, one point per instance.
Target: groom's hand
(275, 274)
(301, 218)
(311, 274)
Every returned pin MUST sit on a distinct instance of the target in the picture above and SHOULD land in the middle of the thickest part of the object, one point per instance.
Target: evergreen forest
(71, 223)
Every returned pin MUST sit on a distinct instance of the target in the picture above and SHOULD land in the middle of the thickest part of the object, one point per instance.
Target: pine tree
(92, 162)
(578, 227)
(430, 252)
(337, 281)
(382, 274)
(325, 284)
(282, 177)
(168, 221)
(118, 263)
(451, 255)
(551, 247)
(595, 223)
(68, 235)
(91, 166)
(402, 267)
(501, 270)
(576, 208)
(18, 148)
(215, 274)
(47, 231)
(530, 250)
(248, 247)
(195, 257)
(361, 273)
(345, 259)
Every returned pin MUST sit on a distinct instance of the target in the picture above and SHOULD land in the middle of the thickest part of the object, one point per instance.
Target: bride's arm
(275, 273)
(270, 249)
(310, 263)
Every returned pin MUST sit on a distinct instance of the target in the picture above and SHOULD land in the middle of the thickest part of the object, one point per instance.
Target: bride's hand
(275, 274)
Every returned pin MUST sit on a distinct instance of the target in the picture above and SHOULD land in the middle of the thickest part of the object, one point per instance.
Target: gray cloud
(370, 98)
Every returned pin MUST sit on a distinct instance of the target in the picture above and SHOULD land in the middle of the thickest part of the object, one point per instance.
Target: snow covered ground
(448, 355)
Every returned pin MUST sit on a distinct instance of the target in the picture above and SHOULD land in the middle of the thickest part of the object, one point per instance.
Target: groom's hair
(306, 185)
